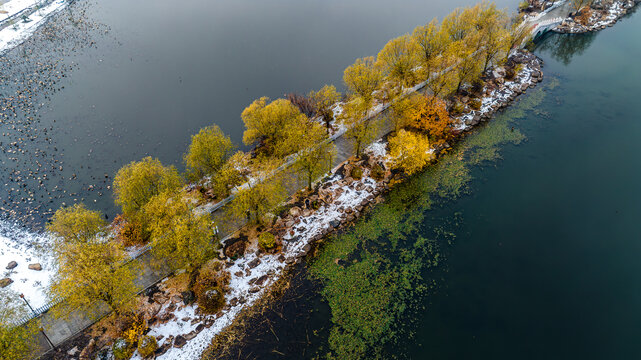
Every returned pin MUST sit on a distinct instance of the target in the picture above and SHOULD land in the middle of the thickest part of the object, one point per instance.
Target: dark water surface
(546, 263)
(166, 68)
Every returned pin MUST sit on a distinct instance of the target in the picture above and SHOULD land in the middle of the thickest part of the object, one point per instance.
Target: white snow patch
(377, 149)
(14, 35)
(19, 245)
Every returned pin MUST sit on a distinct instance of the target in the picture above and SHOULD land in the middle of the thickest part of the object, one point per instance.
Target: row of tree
(447, 56)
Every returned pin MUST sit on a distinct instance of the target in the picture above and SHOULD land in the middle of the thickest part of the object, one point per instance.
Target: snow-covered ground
(498, 97)
(18, 245)
(15, 34)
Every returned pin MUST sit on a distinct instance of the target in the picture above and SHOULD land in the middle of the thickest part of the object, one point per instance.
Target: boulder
(160, 298)
(179, 341)
(5, 282)
(12, 265)
(88, 350)
(73, 351)
(295, 211)
(252, 264)
(36, 267)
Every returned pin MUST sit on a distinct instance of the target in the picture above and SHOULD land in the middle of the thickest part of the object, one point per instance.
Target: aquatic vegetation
(374, 273)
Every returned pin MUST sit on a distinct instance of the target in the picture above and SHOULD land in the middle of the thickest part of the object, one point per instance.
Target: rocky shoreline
(596, 17)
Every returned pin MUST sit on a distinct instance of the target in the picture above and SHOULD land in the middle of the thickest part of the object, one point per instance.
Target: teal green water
(523, 243)
(546, 261)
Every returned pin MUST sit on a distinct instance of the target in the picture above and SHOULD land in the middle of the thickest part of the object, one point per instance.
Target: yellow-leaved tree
(398, 61)
(410, 151)
(431, 41)
(261, 194)
(360, 131)
(323, 101)
(316, 157)
(429, 114)
(137, 182)
(363, 78)
(493, 29)
(230, 174)
(268, 124)
(76, 224)
(208, 151)
(16, 342)
(90, 269)
(181, 237)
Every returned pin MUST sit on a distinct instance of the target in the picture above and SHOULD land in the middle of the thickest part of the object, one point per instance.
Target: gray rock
(179, 341)
(12, 265)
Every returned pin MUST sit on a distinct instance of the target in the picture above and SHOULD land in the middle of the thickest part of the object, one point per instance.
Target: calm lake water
(546, 263)
(165, 69)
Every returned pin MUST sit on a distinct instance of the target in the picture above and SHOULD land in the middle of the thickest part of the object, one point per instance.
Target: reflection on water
(563, 47)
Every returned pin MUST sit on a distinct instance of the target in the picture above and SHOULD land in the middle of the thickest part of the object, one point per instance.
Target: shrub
(476, 104)
(356, 173)
(122, 349)
(210, 285)
(147, 346)
(477, 86)
(458, 108)
(135, 330)
(267, 241)
(377, 172)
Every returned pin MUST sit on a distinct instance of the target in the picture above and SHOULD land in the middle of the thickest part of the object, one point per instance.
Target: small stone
(36, 267)
(254, 289)
(252, 264)
(73, 351)
(190, 336)
(12, 265)
(5, 282)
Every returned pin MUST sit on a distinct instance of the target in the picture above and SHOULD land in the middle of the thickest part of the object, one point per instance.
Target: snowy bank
(15, 34)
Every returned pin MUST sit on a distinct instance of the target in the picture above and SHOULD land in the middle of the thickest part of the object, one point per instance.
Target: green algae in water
(375, 274)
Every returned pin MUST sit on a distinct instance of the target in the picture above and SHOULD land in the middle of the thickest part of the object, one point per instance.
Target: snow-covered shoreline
(599, 19)
(16, 33)
(20, 246)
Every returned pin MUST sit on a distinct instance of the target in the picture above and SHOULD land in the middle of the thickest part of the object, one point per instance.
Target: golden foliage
(179, 235)
(398, 60)
(430, 115)
(207, 152)
(360, 131)
(92, 271)
(363, 78)
(323, 101)
(431, 41)
(230, 174)
(315, 158)
(271, 124)
(410, 151)
(76, 224)
(137, 182)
